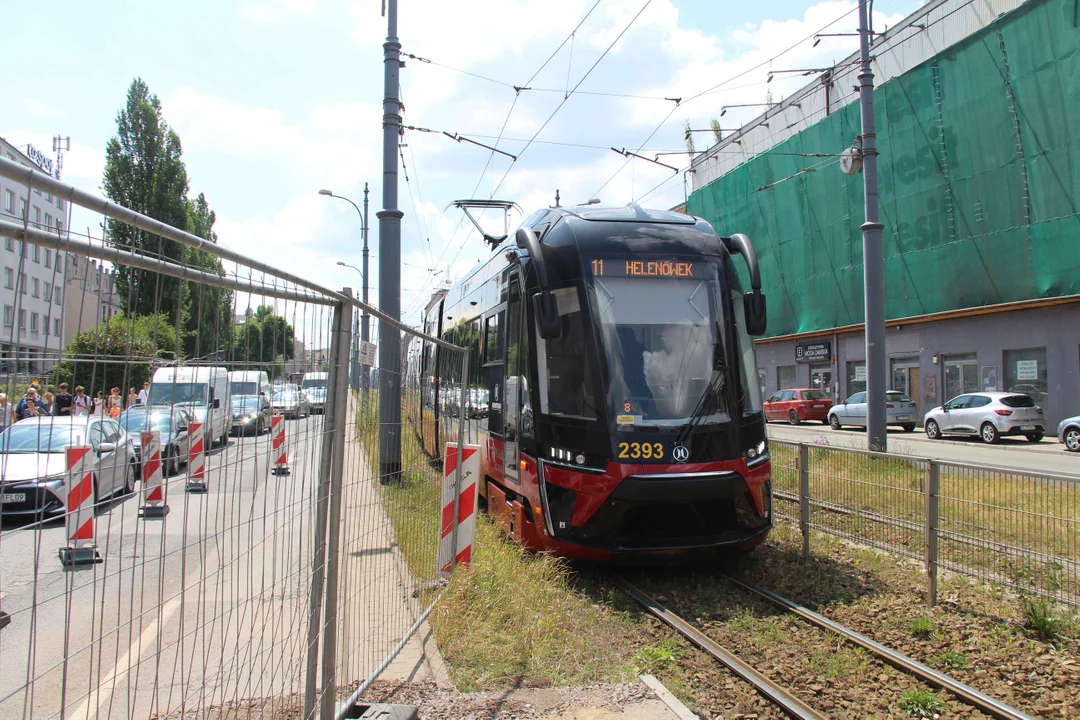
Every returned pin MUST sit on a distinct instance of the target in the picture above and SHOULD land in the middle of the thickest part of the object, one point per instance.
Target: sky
(275, 99)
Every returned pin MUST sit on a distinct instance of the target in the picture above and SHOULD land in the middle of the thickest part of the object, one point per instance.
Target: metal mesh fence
(194, 518)
(1004, 526)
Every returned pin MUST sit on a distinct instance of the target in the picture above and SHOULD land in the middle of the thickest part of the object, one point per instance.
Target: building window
(48, 221)
(33, 322)
(48, 291)
(56, 294)
(36, 253)
(59, 204)
(23, 283)
(9, 201)
(48, 197)
(785, 377)
(45, 326)
(961, 375)
(856, 377)
(59, 262)
(9, 278)
(9, 313)
(56, 327)
(22, 209)
(9, 244)
(59, 227)
(48, 259)
(36, 287)
(22, 319)
(1025, 372)
(37, 216)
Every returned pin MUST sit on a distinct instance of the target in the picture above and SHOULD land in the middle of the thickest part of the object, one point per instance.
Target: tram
(611, 385)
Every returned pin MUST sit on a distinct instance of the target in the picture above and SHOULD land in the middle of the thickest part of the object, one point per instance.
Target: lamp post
(364, 323)
(359, 376)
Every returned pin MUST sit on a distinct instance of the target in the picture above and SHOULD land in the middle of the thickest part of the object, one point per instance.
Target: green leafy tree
(688, 137)
(208, 309)
(144, 172)
(717, 133)
(266, 340)
(117, 353)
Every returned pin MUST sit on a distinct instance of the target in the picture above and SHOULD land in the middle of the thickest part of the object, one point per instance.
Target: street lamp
(364, 330)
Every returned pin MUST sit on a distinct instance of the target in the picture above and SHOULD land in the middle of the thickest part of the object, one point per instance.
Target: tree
(144, 172)
(689, 137)
(208, 309)
(265, 339)
(118, 353)
(717, 133)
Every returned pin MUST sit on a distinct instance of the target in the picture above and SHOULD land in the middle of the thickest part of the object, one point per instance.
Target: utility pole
(390, 369)
(873, 253)
(364, 331)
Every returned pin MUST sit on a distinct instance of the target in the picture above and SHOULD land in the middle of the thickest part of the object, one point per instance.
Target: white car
(990, 415)
(33, 468)
(899, 410)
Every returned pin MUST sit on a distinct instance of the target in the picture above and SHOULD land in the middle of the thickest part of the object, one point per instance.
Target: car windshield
(243, 388)
(897, 397)
(659, 323)
(314, 383)
(814, 395)
(286, 397)
(1017, 401)
(167, 393)
(245, 402)
(137, 421)
(44, 437)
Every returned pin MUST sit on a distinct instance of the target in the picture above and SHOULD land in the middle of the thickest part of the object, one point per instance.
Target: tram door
(514, 384)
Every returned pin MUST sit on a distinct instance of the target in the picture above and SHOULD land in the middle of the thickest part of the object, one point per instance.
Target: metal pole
(390, 263)
(804, 497)
(318, 571)
(933, 489)
(460, 458)
(339, 399)
(873, 255)
(364, 322)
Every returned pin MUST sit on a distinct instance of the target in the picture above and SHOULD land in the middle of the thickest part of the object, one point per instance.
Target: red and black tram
(612, 384)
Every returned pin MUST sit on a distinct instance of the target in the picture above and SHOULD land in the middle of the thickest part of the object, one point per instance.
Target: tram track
(785, 698)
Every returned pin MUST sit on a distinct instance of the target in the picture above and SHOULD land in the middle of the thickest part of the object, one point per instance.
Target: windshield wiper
(712, 391)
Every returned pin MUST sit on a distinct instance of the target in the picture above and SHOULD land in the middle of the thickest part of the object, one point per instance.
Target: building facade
(978, 142)
(90, 297)
(32, 294)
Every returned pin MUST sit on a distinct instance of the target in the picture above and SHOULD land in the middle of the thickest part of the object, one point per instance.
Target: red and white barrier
(153, 476)
(465, 521)
(277, 432)
(196, 481)
(79, 508)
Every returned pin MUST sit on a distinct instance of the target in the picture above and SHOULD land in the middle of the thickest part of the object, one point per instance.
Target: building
(32, 296)
(91, 296)
(978, 142)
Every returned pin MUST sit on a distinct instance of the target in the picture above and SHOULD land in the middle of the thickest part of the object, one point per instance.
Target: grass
(922, 627)
(921, 704)
(656, 659)
(511, 618)
(950, 660)
(1042, 620)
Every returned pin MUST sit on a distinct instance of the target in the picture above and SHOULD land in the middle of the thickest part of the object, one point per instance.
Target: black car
(170, 422)
(251, 414)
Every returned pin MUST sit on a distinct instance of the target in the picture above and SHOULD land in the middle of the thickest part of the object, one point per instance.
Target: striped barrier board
(196, 481)
(465, 520)
(153, 472)
(277, 432)
(79, 508)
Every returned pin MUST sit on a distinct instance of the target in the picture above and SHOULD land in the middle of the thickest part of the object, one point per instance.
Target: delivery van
(203, 391)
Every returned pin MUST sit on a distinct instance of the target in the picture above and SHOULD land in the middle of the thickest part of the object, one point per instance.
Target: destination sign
(622, 267)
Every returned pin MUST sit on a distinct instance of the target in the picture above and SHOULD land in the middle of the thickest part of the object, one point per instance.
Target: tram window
(566, 385)
(492, 339)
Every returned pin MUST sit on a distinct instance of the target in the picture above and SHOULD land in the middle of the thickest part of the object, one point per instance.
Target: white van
(249, 382)
(202, 390)
(314, 386)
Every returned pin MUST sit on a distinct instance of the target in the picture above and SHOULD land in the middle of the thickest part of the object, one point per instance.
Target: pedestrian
(46, 407)
(80, 404)
(132, 398)
(22, 410)
(114, 404)
(144, 394)
(63, 403)
(5, 412)
(99, 404)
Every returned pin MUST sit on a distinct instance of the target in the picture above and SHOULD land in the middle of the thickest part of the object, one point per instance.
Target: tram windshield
(660, 326)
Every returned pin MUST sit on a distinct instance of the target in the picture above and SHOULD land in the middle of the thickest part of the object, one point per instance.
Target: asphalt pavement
(205, 606)
(1046, 456)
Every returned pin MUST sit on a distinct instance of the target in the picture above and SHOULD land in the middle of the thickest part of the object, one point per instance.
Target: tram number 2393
(635, 451)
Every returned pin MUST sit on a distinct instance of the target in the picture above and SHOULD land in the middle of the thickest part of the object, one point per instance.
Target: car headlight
(53, 483)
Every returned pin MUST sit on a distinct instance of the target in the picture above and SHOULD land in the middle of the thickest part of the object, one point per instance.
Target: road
(1045, 456)
(206, 606)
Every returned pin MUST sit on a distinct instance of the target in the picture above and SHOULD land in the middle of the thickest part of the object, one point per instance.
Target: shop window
(961, 375)
(785, 377)
(1025, 372)
(856, 377)
(761, 381)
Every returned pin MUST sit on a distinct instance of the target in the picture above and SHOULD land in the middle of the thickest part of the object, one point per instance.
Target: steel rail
(969, 695)
(792, 705)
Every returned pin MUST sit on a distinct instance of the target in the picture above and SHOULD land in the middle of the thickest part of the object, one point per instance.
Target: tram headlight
(580, 459)
(758, 453)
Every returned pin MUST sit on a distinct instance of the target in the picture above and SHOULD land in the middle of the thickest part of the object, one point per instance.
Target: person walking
(46, 405)
(22, 410)
(63, 405)
(80, 404)
(99, 404)
(114, 404)
(5, 412)
(132, 398)
(144, 394)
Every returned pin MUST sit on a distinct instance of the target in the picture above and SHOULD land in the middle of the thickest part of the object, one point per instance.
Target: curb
(674, 704)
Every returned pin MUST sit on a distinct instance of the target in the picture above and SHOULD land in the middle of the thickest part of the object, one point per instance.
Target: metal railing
(249, 557)
(1011, 527)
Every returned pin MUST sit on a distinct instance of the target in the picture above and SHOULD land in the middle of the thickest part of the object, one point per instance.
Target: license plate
(818, 406)
(903, 417)
(1027, 427)
(14, 497)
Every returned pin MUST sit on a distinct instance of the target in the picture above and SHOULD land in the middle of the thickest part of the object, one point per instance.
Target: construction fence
(242, 538)
(1005, 526)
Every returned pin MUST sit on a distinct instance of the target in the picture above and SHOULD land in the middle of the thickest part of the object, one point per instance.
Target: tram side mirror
(547, 315)
(754, 308)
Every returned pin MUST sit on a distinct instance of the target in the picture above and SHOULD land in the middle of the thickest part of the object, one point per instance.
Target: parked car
(899, 410)
(990, 415)
(251, 413)
(33, 466)
(1069, 433)
(171, 423)
(797, 405)
(291, 403)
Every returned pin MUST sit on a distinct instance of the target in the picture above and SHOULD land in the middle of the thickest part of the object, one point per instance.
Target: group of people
(64, 404)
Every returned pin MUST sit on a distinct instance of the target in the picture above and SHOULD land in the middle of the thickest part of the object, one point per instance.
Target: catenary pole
(364, 323)
(873, 254)
(390, 375)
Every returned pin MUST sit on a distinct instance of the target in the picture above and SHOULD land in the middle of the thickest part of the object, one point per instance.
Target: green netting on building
(979, 168)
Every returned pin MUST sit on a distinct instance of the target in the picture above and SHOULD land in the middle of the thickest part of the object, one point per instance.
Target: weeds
(950, 660)
(1041, 619)
(921, 704)
(655, 659)
(922, 627)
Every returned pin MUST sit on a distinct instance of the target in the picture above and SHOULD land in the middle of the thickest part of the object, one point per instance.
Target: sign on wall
(367, 353)
(813, 351)
(1027, 369)
(860, 373)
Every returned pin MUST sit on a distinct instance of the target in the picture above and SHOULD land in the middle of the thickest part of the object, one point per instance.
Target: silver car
(990, 415)
(899, 410)
(33, 468)
(291, 403)
(1069, 433)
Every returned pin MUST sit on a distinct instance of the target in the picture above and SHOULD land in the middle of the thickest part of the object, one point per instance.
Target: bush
(117, 353)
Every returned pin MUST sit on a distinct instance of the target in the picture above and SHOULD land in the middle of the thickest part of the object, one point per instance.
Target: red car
(798, 405)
